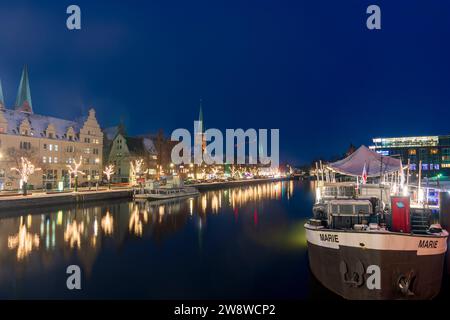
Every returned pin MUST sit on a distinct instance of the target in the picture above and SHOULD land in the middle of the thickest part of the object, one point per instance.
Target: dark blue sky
(309, 68)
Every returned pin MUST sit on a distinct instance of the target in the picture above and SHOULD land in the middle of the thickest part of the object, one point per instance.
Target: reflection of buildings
(213, 201)
(72, 235)
(137, 221)
(81, 233)
(107, 224)
(23, 241)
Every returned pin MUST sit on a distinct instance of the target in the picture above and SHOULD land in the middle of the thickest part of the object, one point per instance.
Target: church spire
(200, 113)
(23, 100)
(2, 99)
(121, 127)
(200, 118)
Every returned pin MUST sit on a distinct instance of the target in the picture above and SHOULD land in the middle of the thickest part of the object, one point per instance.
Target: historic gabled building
(125, 149)
(49, 143)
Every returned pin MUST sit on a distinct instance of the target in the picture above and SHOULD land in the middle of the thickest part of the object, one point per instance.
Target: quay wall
(44, 200)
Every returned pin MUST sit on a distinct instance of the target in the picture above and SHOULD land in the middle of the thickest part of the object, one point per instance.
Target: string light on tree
(75, 171)
(25, 171)
(109, 171)
(136, 170)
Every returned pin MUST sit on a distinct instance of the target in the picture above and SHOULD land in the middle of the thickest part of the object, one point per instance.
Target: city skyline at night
(296, 67)
(225, 158)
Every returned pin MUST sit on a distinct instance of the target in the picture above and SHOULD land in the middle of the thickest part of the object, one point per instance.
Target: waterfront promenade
(42, 199)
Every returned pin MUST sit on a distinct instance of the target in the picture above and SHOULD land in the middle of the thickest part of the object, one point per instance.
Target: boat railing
(420, 197)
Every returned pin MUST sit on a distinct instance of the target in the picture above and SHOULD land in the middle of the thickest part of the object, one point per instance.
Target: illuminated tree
(232, 171)
(136, 170)
(109, 171)
(75, 171)
(25, 171)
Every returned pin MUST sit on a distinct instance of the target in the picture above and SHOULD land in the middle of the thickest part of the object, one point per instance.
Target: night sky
(310, 68)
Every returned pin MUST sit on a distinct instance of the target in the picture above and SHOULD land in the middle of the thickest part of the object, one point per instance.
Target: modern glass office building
(433, 151)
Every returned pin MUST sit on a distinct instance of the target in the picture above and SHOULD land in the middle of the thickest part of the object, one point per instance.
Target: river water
(234, 243)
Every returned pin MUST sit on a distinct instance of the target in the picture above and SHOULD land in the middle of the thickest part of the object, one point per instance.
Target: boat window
(330, 191)
(346, 191)
(362, 209)
(346, 208)
(334, 208)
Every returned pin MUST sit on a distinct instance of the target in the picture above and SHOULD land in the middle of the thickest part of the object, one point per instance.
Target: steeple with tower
(23, 100)
(42, 138)
(2, 99)
(200, 118)
(200, 136)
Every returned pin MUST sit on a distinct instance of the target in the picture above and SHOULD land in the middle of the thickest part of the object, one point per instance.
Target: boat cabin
(345, 214)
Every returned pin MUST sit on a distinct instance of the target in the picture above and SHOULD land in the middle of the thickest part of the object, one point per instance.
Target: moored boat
(375, 263)
(165, 193)
(369, 242)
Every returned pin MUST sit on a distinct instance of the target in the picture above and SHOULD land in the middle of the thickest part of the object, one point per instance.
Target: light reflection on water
(245, 242)
(231, 243)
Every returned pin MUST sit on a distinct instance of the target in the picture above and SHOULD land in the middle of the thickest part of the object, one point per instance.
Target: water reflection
(23, 242)
(84, 227)
(108, 224)
(245, 242)
(241, 218)
(72, 234)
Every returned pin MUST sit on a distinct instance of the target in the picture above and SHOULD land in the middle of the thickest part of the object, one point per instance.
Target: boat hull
(348, 263)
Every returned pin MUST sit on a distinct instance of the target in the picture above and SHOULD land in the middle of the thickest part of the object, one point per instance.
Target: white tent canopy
(376, 164)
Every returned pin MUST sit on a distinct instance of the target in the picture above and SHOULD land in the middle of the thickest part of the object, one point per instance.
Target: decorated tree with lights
(25, 170)
(136, 170)
(109, 171)
(254, 170)
(75, 170)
